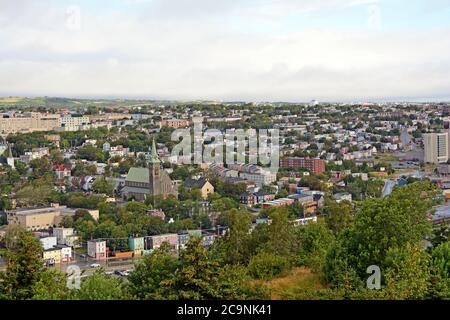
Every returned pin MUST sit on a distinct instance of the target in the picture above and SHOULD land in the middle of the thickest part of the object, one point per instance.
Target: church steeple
(154, 159)
(10, 158)
(10, 155)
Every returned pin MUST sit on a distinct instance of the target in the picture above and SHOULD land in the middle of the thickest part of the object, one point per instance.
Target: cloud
(192, 49)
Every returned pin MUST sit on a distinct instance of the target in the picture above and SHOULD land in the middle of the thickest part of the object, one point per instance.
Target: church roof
(138, 175)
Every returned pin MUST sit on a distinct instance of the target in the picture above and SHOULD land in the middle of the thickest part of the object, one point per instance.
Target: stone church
(152, 181)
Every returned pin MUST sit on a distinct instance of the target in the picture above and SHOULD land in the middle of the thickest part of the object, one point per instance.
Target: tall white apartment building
(73, 122)
(436, 147)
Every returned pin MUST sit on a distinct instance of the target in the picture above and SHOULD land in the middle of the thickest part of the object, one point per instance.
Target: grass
(385, 157)
(299, 283)
(10, 100)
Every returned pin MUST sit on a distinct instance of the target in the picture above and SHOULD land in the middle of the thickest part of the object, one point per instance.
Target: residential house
(202, 184)
(97, 249)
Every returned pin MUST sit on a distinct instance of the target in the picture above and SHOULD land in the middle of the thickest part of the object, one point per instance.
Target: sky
(246, 50)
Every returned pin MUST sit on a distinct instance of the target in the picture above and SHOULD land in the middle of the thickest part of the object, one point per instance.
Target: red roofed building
(62, 172)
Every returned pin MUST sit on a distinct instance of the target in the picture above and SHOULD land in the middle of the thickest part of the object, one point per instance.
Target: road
(388, 187)
(85, 265)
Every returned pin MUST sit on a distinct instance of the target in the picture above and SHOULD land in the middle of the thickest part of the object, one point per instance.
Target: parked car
(118, 272)
(95, 265)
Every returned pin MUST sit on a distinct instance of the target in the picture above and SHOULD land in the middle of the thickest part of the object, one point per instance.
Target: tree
(50, 286)
(314, 241)
(153, 275)
(233, 248)
(100, 287)
(67, 222)
(91, 153)
(407, 273)
(197, 276)
(440, 264)
(266, 265)
(36, 195)
(281, 236)
(136, 207)
(394, 221)
(24, 264)
(103, 186)
(339, 215)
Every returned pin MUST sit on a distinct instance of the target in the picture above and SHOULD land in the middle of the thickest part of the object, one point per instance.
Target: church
(152, 181)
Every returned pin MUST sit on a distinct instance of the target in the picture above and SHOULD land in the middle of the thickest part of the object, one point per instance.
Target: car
(118, 272)
(95, 265)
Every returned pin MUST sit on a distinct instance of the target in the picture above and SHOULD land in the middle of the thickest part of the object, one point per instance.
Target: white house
(48, 242)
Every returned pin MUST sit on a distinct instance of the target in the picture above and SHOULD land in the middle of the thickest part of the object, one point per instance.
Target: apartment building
(73, 122)
(12, 122)
(317, 166)
(436, 147)
(261, 178)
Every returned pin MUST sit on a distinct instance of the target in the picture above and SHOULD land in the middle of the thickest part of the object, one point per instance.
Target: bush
(267, 265)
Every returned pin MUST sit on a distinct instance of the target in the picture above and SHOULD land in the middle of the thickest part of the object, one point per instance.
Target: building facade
(175, 123)
(436, 147)
(28, 122)
(96, 249)
(317, 166)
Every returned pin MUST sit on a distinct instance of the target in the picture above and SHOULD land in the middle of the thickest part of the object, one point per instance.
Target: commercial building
(316, 166)
(436, 147)
(52, 256)
(175, 123)
(278, 203)
(14, 122)
(66, 252)
(35, 218)
(42, 218)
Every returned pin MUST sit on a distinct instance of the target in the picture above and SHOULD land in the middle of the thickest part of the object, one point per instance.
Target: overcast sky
(258, 50)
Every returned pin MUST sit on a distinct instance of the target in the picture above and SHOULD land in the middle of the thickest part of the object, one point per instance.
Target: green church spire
(154, 155)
